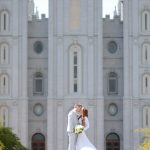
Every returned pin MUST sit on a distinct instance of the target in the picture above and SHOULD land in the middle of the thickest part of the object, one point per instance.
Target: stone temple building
(49, 64)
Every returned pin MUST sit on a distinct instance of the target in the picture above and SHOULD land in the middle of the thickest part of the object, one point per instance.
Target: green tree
(10, 140)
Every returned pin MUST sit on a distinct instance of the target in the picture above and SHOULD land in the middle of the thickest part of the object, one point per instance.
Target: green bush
(10, 140)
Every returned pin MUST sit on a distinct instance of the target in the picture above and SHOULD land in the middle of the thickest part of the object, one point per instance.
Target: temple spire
(31, 6)
(37, 13)
(115, 11)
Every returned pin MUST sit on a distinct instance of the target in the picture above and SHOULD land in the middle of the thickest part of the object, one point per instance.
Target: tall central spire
(31, 6)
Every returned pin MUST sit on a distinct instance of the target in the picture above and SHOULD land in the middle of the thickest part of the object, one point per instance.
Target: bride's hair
(84, 114)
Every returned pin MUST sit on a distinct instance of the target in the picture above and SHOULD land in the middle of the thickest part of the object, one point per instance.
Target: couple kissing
(78, 123)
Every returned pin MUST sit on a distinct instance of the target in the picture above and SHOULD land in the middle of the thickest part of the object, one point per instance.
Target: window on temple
(146, 117)
(146, 84)
(38, 83)
(4, 21)
(146, 53)
(75, 69)
(38, 142)
(4, 116)
(146, 21)
(4, 84)
(4, 53)
(112, 83)
(112, 142)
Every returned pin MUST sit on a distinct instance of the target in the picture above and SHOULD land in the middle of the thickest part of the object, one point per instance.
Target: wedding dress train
(83, 143)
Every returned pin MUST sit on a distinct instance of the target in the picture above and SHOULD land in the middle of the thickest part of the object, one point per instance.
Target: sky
(108, 6)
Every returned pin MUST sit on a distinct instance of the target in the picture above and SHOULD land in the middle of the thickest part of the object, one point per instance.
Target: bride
(83, 142)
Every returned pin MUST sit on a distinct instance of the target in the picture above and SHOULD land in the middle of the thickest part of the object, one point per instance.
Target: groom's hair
(77, 105)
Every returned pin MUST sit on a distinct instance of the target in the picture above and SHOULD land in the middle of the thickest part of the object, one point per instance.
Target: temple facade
(75, 55)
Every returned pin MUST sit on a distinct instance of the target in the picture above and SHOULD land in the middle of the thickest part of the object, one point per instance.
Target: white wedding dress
(83, 142)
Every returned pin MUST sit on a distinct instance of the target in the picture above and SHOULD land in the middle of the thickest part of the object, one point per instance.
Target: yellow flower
(146, 144)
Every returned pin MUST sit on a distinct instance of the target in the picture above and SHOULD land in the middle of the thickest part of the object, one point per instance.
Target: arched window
(146, 84)
(4, 116)
(146, 117)
(112, 83)
(4, 52)
(38, 83)
(112, 142)
(38, 141)
(146, 53)
(4, 84)
(4, 21)
(146, 21)
(75, 69)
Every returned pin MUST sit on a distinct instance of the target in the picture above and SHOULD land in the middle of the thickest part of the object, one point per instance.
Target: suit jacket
(72, 121)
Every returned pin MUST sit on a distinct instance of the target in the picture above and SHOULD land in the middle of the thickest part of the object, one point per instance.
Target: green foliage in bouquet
(9, 140)
(79, 129)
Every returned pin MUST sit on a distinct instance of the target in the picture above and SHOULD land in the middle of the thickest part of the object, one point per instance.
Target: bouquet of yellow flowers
(79, 129)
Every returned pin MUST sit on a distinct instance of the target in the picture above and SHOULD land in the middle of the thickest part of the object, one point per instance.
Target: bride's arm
(87, 125)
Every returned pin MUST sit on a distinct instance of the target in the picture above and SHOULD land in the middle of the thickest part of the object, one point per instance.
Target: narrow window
(4, 81)
(146, 82)
(112, 83)
(147, 117)
(146, 53)
(4, 85)
(75, 65)
(146, 21)
(4, 116)
(4, 52)
(4, 56)
(38, 83)
(75, 58)
(75, 69)
(4, 21)
(75, 87)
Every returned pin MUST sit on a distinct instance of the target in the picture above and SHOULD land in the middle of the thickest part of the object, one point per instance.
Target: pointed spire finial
(31, 7)
(37, 13)
(115, 11)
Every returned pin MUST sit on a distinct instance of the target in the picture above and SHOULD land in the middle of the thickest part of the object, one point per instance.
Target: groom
(72, 122)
